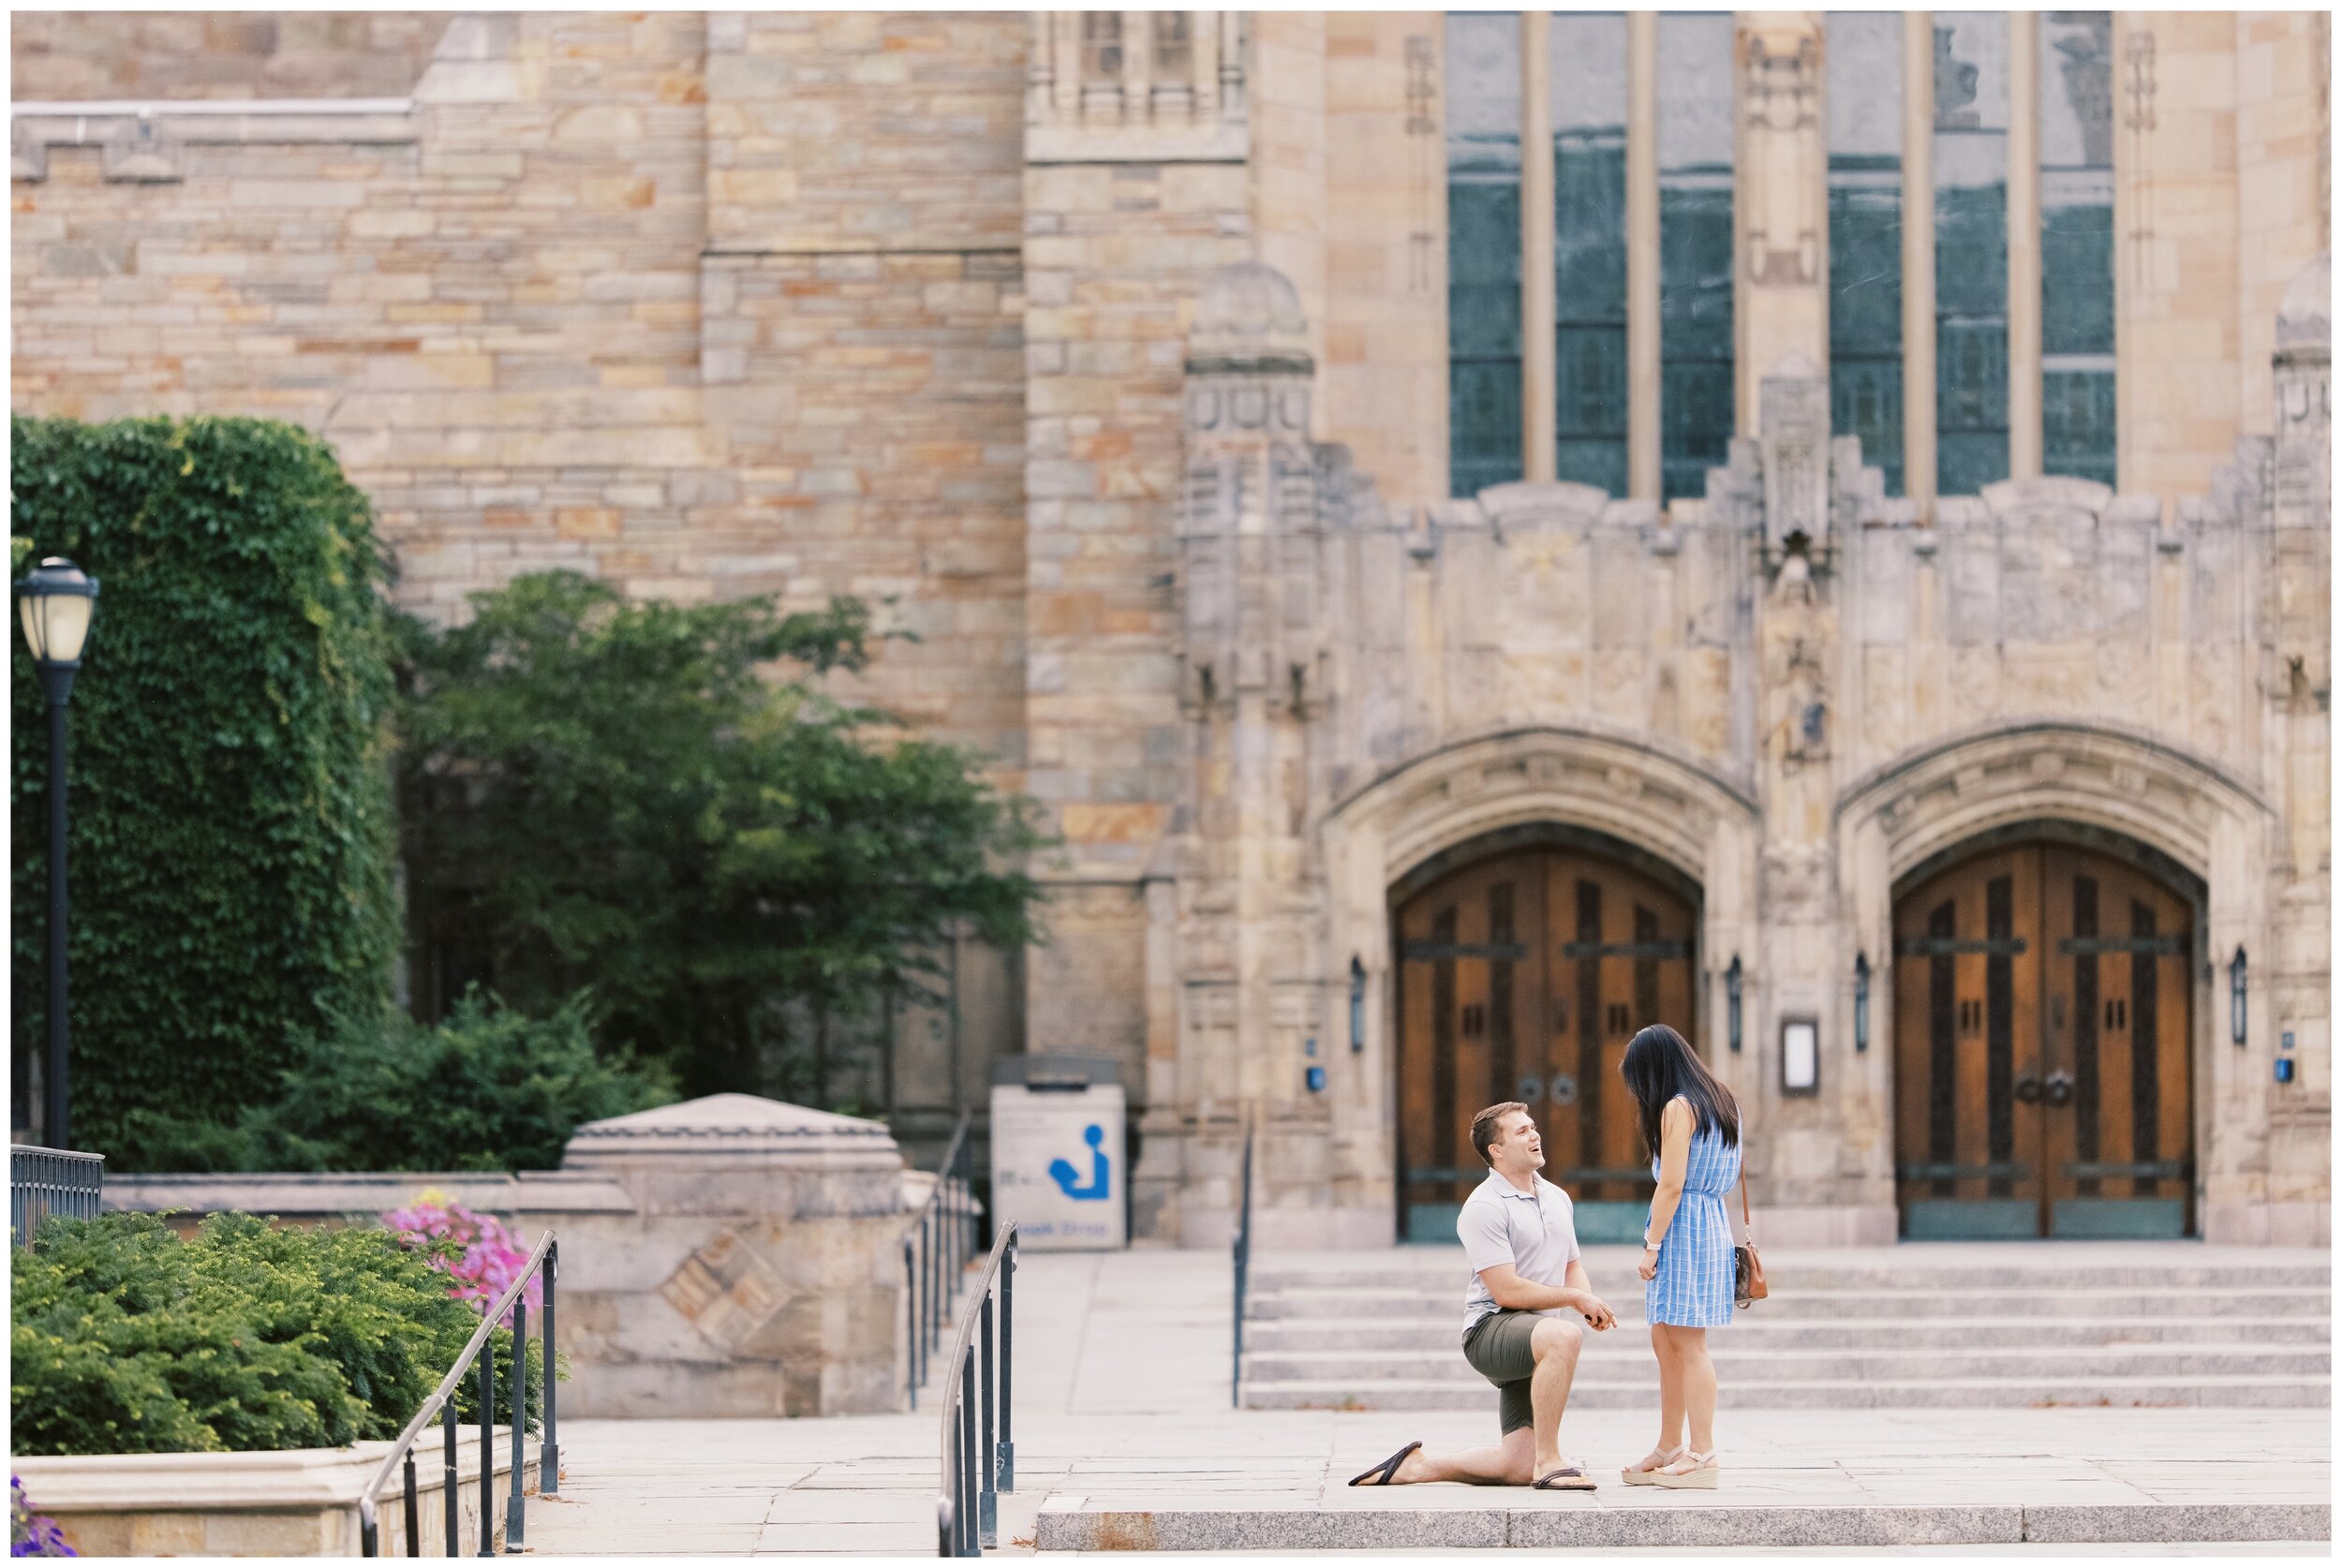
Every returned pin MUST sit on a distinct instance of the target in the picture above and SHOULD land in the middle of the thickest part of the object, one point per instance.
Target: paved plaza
(1125, 1438)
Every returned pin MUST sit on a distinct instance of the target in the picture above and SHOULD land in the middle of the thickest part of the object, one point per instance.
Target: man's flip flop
(1569, 1478)
(1379, 1475)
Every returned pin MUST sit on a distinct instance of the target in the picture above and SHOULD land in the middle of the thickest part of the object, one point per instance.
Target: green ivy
(127, 1339)
(231, 837)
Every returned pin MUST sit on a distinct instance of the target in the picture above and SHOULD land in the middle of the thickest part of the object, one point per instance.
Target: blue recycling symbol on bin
(1069, 1179)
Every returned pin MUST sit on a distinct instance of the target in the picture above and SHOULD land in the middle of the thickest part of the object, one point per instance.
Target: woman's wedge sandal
(1637, 1476)
(1703, 1472)
(1379, 1475)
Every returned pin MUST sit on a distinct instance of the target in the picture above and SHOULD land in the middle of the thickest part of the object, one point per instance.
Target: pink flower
(489, 1257)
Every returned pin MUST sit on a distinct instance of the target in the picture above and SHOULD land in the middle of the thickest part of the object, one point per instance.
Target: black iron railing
(979, 1460)
(47, 1181)
(544, 1263)
(1242, 1248)
(935, 1255)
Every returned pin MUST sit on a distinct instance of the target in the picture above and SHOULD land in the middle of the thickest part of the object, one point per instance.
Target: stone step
(1788, 1302)
(1750, 1330)
(1622, 1519)
(1435, 1267)
(1605, 1363)
(2295, 1390)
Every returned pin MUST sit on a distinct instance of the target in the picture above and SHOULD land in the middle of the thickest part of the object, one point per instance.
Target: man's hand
(1596, 1311)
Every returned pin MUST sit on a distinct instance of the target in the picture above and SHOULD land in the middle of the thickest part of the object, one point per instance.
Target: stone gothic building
(1480, 531)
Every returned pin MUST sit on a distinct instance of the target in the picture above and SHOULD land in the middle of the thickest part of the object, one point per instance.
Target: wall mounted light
(1357, 1004)
(1732, 1003)
(1861, 1001)
(2236, 998)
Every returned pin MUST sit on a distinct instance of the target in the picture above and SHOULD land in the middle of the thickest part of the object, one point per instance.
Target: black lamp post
(55, 601)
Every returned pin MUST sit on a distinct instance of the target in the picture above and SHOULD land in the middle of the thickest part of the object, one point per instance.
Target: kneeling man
(1517, 1232)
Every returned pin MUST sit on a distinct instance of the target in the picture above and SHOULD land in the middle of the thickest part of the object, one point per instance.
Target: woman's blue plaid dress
(1693, 1287)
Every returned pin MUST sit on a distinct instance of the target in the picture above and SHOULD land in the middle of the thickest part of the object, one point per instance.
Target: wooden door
(2042, 1027)
(1522, 978)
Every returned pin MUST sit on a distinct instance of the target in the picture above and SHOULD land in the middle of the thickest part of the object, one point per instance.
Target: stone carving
(1782, 97)
(1794, 672)
(1794, 402)
(726, 1292)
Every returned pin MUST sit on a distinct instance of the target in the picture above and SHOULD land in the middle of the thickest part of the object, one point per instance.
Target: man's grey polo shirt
(1532, 1231)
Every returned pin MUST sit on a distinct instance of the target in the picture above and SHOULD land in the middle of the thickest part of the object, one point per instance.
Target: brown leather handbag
(1748, 1270)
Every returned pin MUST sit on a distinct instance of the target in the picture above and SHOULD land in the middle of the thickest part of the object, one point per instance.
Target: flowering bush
(476, 1250)
(32, 1534)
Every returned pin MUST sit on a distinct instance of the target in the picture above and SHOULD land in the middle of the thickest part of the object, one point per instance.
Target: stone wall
(59, 56)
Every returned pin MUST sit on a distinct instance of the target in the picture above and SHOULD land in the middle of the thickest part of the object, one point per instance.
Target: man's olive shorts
(1498, 1349)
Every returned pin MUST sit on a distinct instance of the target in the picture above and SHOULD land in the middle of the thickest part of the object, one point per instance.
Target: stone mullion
(2024, 245)
(1536, 249)
(1643, 255)
(1918, 259)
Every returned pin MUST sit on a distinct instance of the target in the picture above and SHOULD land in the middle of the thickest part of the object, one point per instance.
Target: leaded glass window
(1865, 150)
(1695, 248)
(1482, 251)
(2078, 243)
(1971, 87)
(1588, 76)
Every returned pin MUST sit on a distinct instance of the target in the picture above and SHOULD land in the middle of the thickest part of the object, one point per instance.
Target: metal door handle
(2059, 1089)
(2028, 1089)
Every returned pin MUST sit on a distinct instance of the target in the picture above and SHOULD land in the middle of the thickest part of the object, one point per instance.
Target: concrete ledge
(2271, 1224)
(290, 1503)
(1069, 1524)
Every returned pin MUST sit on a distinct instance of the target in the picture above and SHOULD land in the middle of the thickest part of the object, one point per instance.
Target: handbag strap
(1748, 1237)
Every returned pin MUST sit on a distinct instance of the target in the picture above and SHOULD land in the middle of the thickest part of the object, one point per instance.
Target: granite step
(1788, 1301)
(1416, 1267)
(2284, 1391)
(1069, 1523)
(1631, 1361)
(1752, 1331)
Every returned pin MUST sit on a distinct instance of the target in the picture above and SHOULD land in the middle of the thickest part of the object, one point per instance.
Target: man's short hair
(1484, 1129)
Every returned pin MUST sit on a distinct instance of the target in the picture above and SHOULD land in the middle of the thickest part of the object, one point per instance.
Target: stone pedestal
(759, 1272)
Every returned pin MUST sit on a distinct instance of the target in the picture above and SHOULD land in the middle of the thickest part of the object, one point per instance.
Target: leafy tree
(623, 794)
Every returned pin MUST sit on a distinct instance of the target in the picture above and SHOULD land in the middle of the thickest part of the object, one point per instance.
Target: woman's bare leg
(1697, 1376)
(1670, 1394)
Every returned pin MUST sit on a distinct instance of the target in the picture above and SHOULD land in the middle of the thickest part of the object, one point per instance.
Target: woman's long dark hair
(1659, 1065)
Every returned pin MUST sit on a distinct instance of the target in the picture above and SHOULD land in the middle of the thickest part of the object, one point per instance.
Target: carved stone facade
(1109, 350)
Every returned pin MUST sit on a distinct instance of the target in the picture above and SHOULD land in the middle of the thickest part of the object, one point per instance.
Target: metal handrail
(545, 1261)
(972, 1467)
(935, 1254)
(1242, 1247)
(47, 1181)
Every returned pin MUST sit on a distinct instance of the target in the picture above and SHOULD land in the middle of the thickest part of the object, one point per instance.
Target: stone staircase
(1914, 1326)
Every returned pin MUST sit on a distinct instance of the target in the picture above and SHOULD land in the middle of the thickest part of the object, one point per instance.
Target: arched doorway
(1525, 963)
(2044, 1003)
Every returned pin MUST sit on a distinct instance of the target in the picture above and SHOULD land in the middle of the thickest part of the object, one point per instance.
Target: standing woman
(1691, 1126)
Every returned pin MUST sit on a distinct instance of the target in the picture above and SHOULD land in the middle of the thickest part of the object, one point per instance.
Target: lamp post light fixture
(54, 601)
(1861, 1001)
(1732, 1003)
(2236, 998)
(1357, 1004)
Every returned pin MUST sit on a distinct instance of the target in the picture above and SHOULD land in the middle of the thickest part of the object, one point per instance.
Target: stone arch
(1668, 808)
(1663, 802)
(1965, 785)
(2192, 822)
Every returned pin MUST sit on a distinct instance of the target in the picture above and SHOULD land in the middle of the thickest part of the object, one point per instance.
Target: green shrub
(488, 1090)
(624, 794)
(127, 1339)
(231, 835)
